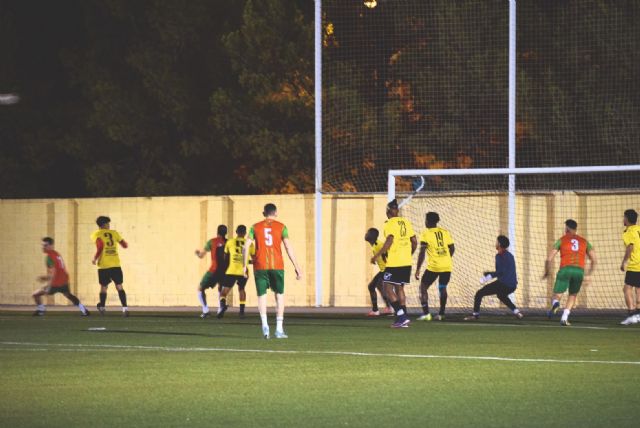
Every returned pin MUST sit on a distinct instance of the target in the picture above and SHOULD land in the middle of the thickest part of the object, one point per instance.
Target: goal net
(475, 210)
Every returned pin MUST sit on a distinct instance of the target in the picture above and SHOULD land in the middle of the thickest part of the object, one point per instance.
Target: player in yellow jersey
(631, 264)
(400, 244)
(375, 285)
(108, 262)
(233, 251)
(438, 245)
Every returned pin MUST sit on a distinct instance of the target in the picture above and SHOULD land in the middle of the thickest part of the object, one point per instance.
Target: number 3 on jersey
(268, 238)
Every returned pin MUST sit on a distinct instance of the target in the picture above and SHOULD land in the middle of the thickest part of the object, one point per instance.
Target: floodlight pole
(318, 144)
(512, 125)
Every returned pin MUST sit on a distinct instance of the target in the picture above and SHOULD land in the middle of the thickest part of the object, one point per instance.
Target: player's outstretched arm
(385, 247)
(625, 259)
(123, 243)
(99, 248)
(201, 252)
(289, 248)
(591, 254)
(421, 254)
(547, 263)
(245, 255)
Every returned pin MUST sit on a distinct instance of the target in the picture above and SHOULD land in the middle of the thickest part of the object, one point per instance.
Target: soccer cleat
(565, 323)
(125, 314)
(471, 317)
(373, 314)
(100, 309)
(221, 311)
(204, 315)
(425, 317)
(631, 319)
(553, 310)
(387, 311)
(265, 332)
(519, 315)
(403, 323)
(439, 317)
(281, 335)
(86, 313)
(38, 313)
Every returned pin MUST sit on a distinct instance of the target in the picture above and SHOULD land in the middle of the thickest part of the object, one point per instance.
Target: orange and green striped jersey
(60, 275)
(573, 249)
(268, 235)
(215, 246)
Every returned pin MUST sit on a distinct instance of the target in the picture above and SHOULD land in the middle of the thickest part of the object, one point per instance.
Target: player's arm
(99, 249)
(292, 257)
(421, 253)
(452, 249)
(414, 244)
(123, 243)
(625, 259)
(245, 255)
(591, 254)
(385, 247)
(547, 263)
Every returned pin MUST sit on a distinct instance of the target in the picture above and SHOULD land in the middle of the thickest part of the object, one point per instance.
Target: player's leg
(373, 294)
(277, 285)
(37, 298)
(425, 282)
(388, 310)
(443, 281)
(242, 282)
(225, 286)
(104, 279)
(560, 287)
(261, 278)
(202, 296)
(76, 302)
(487, 290)
(574, 277)
(503, 295)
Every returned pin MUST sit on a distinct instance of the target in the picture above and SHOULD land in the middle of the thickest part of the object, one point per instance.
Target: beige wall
(161, 269)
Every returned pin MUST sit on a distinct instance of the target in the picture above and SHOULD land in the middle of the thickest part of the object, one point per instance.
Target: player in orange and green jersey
(375, 285)
(400, 244)
(57, 280)
(108, 261)
(215, 274)
(438, 245)
(574, 250)
(631, 264)
(233, 254)
(268, 266)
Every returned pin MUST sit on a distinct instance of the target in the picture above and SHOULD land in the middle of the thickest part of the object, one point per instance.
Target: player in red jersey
(215, 274)
(57, 280)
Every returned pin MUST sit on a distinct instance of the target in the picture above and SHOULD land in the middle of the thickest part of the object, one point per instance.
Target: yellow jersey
(399, 254)
(382, 260)
(631, 236)
(110, 239)
(234, 248)
(438, 255)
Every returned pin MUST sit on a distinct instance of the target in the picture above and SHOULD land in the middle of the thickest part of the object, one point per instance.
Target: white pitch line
(294, 352)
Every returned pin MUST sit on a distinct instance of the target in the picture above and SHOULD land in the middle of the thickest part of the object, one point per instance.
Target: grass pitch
(174, 369)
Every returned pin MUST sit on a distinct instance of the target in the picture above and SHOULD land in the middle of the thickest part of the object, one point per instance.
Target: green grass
(173, 369)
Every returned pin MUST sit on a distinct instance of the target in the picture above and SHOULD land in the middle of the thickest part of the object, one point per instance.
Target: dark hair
(241, 230)
(503, 241)
(393, 205)
(269, 209)
(48, 240)
(571, 224)
(222, 230)
(432, 218)
(631, 215)
(102, 220)
(373, 232)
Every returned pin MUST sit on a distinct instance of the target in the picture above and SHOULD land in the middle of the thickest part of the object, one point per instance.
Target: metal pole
(512, 123)
(318, 144)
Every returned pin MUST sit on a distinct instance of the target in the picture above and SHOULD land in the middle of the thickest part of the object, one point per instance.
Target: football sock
(263, 318)
(242, 304)
(554, 303)
(516, 311)
(81, 307)
(74, 300)
(279, 321)
(40, 307)
(203, 301)
(103, 299)
(223, 302)
(425, 308)
(565, 314)
(123, 298)
(397, 308)
(443, 298)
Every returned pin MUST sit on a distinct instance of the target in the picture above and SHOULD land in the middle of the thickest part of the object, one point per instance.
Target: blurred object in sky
(7, 99)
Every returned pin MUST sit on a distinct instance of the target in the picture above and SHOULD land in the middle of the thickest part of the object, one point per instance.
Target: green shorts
(51, 290)
(269, 279)
(569, 277)
(211, 279)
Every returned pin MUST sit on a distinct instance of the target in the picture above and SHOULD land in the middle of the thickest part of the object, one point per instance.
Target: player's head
(502, 242)
(47, 243)
(431, 219)
(630, 217)
(270, 210)
(222, 230)
(570, 226)
(372, 235)
(241, 230)
(103, 222)
(392, 208)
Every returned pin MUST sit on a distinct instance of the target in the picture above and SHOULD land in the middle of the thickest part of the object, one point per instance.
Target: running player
(631, 264)
(400, 244)
(108, 261)
(233, 253)
(376, 283)
(438, 244)
(215, 274)
(268, 268)
(57, 280)
(573, 249)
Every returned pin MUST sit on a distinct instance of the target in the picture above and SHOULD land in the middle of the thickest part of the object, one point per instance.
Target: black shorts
(51, 290)
(428, 277)
(632, 278)
(397, 275)
(105, 276)
(230, 280)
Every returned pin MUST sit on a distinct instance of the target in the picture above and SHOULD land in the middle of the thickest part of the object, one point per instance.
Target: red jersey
(268, 236)
(216, 247)
(573, 250)
(60, 275)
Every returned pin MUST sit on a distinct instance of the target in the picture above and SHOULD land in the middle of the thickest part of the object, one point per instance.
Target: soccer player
(108, 262)
(400, 244)
(631, 264)
(57, 280)
(233, 253)
(574, 250)
(506, 281)
(376, 283)
(215, 274)
(438, 244)
(268, 267)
